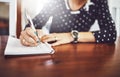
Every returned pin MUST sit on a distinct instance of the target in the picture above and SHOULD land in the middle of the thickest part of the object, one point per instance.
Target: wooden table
(71, 60)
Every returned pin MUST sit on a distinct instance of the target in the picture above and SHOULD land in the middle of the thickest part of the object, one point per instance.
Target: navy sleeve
(107, 32)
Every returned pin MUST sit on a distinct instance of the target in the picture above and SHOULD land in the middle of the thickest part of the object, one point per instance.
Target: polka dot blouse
(65, 20)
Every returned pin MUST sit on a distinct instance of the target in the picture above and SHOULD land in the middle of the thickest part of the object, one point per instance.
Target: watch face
(75, 33)
(75, 36)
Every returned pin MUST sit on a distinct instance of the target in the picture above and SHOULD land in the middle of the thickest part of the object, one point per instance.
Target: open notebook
(14, 47)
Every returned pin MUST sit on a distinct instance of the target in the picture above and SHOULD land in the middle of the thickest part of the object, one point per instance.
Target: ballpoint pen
(32, 25)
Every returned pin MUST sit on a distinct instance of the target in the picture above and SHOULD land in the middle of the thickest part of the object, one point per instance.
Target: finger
(53, 35)
(25, 43)
(27, 37)
(29, 44)
(21, 38)
(31, 33)
(43, 38)
(56, 43)
(48, 38)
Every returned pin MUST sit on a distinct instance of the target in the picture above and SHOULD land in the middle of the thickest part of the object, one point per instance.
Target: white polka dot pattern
(65, 20)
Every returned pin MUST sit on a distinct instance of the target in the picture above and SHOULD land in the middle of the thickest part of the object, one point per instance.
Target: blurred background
(8, 17)
(4, 18)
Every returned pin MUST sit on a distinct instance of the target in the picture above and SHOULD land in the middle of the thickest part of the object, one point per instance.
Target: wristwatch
(74, 34)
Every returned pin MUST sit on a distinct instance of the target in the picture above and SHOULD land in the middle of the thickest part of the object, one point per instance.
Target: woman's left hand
(59, 38)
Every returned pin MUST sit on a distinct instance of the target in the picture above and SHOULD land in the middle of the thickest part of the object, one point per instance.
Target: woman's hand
(29, 38)
(59, 38)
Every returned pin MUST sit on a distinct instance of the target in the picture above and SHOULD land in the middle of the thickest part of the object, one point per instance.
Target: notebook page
(14, 47)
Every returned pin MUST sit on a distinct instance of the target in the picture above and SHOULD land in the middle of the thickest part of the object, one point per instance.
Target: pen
(32, 25)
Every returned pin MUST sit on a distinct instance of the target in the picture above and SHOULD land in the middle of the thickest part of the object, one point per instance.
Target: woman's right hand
(29, 38)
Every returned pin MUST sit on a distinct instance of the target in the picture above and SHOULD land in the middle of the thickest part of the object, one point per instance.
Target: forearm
(86, 37)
